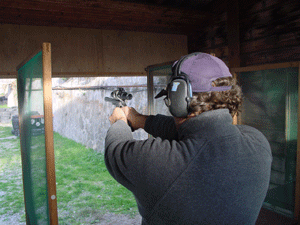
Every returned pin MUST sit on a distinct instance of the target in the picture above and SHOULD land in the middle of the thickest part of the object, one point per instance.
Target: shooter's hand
(118, 114)
(135, 119)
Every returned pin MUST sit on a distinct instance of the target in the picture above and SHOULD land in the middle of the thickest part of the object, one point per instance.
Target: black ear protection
(179, 91)
(178, 96)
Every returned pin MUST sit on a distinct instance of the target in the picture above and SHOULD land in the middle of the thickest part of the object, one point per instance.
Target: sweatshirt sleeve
(161, 126)
(142, 165)
(116, 161)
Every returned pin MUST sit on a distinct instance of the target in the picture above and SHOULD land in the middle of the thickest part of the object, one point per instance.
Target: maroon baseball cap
(201, 69)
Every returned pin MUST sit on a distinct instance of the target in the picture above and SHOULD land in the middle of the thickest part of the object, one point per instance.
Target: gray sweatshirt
(207, 172)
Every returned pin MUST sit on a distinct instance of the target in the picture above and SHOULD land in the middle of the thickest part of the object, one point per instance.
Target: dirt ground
(106, 219)
(112, 219)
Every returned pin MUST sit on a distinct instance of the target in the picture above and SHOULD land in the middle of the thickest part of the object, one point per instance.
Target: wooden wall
(269, 32)
(88, 51)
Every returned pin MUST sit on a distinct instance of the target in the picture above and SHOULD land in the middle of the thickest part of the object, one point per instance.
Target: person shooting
(197, 167)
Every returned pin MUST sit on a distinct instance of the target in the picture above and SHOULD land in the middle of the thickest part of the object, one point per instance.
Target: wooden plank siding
(107, 14)
(269, 33)
(89, 52)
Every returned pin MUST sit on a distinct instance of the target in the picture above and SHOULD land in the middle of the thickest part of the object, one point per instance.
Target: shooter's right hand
(135, 119)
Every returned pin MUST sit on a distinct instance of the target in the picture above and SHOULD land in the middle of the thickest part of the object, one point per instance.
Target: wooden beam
(98, 74)
(233, 33)
(8, 75)
(13, 74)
(265, 67)
(49, 142)
(102, 15)
(150, 87)
(297, 188)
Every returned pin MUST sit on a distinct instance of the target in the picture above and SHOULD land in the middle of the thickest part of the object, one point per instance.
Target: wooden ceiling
(161, 16)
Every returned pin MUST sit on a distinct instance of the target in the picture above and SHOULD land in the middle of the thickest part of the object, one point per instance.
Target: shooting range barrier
(37, 150)
(271, 103)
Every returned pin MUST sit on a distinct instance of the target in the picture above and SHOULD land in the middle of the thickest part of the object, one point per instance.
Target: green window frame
(271, 103)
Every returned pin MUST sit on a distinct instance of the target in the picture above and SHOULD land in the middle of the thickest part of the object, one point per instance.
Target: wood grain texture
(49, 141)
(83, 51)
(269, 33)
(102, 15)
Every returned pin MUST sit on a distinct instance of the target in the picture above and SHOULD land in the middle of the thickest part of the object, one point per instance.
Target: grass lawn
(85, 189)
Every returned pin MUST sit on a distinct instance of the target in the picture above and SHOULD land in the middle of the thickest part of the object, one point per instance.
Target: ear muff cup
(178, 97)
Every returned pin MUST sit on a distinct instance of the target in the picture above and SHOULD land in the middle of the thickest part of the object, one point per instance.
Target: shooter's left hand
(117, 114)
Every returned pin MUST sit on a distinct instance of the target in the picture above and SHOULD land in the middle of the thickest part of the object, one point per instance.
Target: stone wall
(82, 115)
(6, 114)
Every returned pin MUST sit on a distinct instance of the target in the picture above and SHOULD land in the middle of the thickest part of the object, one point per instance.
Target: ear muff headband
(176, 71)
(183, 95)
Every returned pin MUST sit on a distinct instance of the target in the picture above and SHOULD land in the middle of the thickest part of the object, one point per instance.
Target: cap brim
(163, 92)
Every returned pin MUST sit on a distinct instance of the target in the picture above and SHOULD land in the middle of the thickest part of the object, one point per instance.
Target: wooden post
(150, 90)
(297, 188)
(236, 118)
(50, 163)
(233, 37)
(233, 33)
